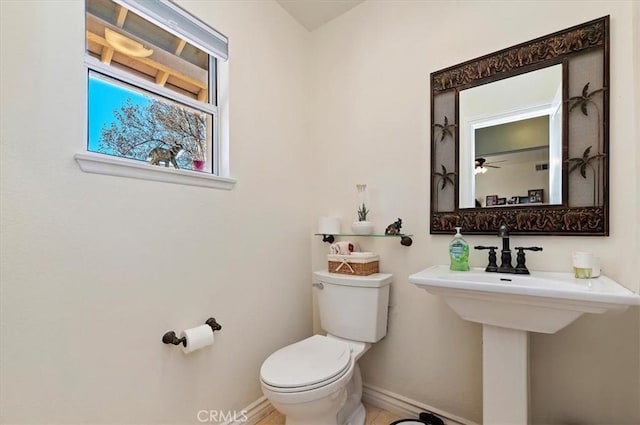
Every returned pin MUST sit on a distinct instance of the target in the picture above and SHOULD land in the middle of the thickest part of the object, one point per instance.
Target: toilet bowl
(308, 381)
(317, 381)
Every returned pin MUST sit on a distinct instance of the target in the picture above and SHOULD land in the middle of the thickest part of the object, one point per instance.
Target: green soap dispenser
(459, 253)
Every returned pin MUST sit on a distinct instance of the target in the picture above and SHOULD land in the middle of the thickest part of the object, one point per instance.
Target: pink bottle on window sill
(198, 164)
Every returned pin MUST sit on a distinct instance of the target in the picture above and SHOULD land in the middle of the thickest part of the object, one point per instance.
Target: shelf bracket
(328, 238)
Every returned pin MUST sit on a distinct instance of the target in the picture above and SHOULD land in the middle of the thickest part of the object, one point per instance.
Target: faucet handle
(493, 265)
(521, 268)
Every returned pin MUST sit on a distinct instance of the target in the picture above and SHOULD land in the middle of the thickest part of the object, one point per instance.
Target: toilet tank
(353, 307)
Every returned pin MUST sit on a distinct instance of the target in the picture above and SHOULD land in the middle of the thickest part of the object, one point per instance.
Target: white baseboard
(374, 396)
(403, 406)
(254, 412)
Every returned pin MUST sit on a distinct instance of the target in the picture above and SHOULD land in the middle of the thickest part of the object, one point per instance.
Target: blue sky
(104, 98)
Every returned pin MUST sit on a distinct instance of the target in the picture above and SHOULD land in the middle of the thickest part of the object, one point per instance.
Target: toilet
(317, 381)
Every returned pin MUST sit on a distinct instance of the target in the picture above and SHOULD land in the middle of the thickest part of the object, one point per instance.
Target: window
(152, 85)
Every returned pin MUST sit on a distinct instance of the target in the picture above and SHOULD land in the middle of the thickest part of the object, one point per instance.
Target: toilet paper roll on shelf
(194, 338)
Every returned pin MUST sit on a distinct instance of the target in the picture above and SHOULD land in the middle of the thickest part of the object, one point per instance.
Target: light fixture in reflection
(479, 170)
(124, 44)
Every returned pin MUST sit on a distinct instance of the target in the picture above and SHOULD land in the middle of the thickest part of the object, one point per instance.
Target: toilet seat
(305, 365)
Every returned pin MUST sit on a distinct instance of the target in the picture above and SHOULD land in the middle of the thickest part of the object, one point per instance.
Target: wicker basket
(347, 264)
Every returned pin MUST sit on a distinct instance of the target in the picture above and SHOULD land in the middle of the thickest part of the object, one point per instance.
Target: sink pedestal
(505, 376)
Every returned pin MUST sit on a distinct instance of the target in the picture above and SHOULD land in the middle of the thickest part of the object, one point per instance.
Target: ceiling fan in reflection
(482, 166)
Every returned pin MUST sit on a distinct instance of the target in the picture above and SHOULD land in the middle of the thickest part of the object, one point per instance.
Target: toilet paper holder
(171, 338)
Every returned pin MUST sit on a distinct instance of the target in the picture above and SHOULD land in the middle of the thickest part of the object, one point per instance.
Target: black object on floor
(425, 418)
(430, 419)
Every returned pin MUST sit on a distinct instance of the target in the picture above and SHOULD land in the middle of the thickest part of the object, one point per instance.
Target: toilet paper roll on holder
(171, 338)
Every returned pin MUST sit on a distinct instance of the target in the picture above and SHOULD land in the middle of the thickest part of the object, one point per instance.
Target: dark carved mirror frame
(583, 51)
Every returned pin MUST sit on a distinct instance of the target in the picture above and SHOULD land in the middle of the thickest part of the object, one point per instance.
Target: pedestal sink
(509, 306)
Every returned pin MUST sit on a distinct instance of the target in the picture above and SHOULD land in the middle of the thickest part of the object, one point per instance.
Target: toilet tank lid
(307, 362)
(376, 280)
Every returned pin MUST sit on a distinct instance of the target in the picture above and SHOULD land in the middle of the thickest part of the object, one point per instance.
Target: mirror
(520, 137)
(508, 143)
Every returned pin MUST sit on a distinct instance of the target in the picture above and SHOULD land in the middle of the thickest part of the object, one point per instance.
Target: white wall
(94, 269)
(90, 277)
(371, 123)
(636, 103)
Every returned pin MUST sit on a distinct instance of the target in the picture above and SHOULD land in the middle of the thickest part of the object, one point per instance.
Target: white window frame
(219, 178)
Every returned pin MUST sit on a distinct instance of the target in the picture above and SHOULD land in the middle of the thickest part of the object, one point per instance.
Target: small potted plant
(362, 226)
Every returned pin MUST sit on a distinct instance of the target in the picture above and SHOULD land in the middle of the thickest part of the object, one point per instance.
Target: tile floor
(375, 416)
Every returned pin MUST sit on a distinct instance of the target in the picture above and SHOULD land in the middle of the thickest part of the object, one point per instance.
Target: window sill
(105, 164)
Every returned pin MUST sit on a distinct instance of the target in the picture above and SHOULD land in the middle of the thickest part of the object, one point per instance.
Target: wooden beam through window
(162, 77)
(180, 46)
(122, 15)
(106, 55)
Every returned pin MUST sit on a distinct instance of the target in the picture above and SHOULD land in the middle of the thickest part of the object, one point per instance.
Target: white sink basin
(540, 302)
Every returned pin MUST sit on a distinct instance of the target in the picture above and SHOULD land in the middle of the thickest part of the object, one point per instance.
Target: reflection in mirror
(511, 141)
(510, 177)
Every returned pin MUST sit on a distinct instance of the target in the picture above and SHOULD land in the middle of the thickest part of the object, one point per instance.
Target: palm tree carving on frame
(443, 179)
(584, 101)
(581, 163)
(446, 129)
